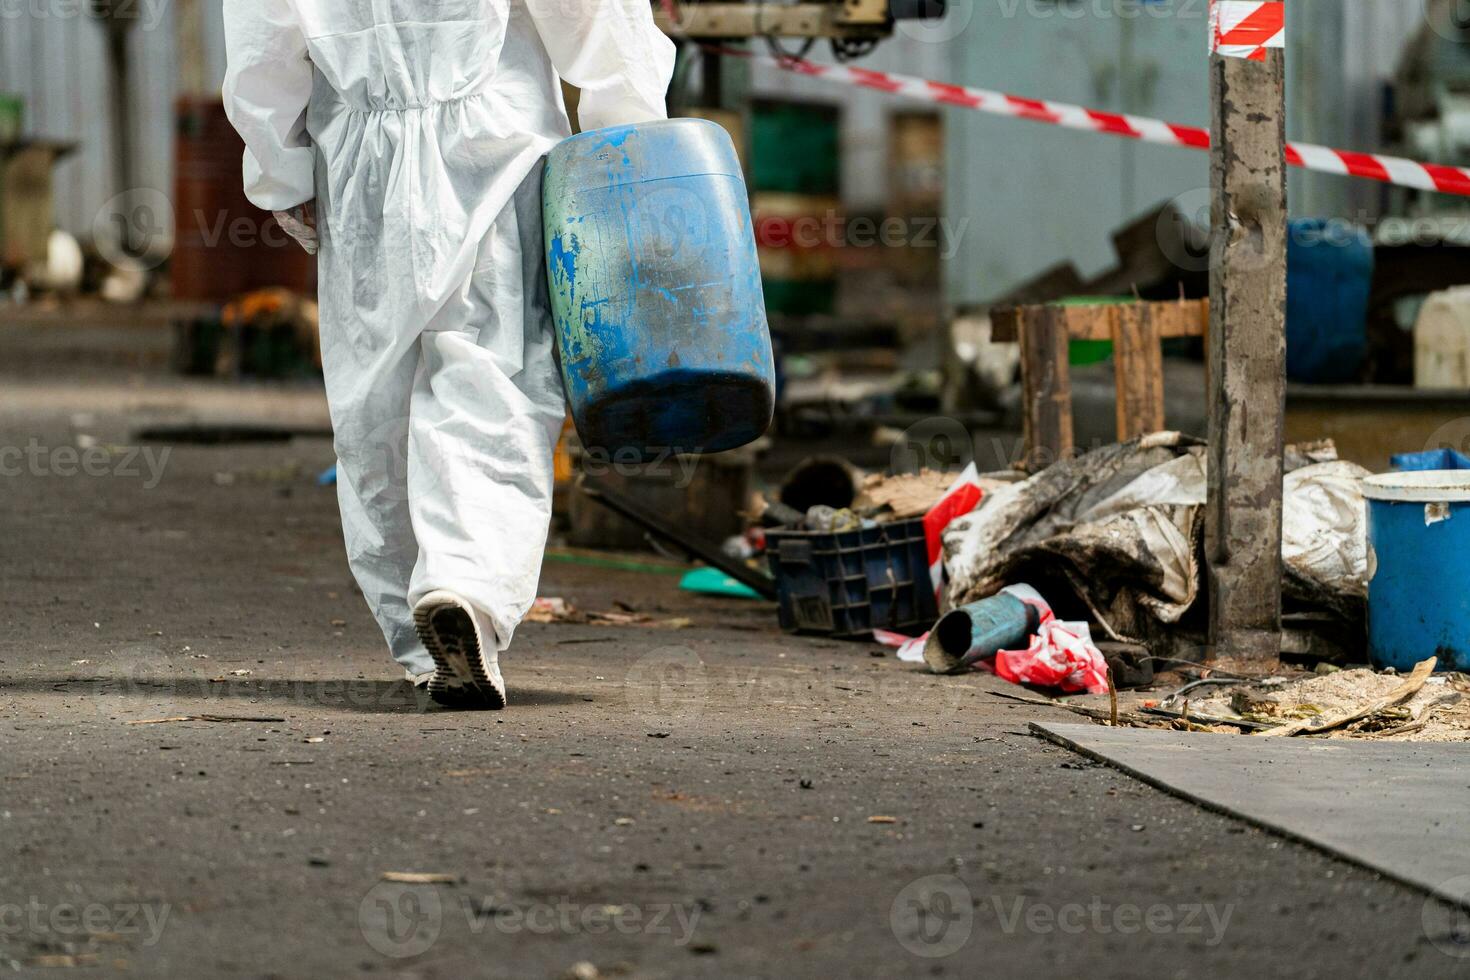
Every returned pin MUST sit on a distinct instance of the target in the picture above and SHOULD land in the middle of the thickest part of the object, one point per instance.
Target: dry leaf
(420, 878)
(550, 609)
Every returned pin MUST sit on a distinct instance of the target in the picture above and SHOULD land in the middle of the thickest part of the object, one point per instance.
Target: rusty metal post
(1247, 352)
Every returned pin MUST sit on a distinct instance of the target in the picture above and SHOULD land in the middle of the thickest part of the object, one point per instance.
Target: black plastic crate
(848, 583)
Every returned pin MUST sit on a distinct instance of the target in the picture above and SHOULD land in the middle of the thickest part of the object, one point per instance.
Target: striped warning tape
(1309, 156)
(1246, 28)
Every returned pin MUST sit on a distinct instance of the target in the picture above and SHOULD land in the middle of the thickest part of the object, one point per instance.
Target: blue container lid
(642, 152)
(1419, 487)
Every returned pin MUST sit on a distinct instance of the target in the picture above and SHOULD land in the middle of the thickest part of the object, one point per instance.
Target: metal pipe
(978, 632)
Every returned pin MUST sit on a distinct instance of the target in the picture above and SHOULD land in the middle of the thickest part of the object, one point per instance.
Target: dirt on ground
(211, 768)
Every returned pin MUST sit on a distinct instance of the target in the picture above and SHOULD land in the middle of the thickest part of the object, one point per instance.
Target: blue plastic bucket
(1419, 568)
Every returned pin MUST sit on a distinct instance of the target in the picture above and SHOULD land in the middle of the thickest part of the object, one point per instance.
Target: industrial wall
(54, 56)
(1066, 191)
(1037, 196)
(864, 131)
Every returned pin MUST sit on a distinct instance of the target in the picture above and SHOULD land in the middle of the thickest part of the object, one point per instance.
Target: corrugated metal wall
(1341, 55)
(1033, 196)
(1037, 196)
(54, 56)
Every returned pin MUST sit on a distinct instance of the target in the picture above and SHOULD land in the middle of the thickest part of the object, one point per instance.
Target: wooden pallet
(1137, 331)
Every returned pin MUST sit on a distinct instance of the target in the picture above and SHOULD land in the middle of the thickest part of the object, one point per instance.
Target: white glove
(300, 223)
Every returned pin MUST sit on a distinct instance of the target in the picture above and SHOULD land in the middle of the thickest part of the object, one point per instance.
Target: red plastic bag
(961, 498)
(1061, 655)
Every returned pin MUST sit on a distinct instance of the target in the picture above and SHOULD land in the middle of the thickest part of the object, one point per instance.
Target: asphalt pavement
(711, 799)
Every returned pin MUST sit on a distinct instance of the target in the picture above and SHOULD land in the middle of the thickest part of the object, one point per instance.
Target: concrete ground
(715, 800)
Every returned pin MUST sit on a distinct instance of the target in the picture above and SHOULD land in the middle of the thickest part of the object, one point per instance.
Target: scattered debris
(821, 480)
(1397, 696)
(637, 619)
(973, 634)
(1059, 654)
(712, 581)
(905, 494)
(55, 960)
(552, 609)
(1122, 526)
(178, 718)
(1096, 714)
(910, 648)
(559, 610)
(1352, 703)
(420, 878)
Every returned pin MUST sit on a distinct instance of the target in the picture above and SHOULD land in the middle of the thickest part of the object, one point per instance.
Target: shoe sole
(448, 633)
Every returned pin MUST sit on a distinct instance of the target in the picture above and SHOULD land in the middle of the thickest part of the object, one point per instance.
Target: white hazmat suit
(418, 127)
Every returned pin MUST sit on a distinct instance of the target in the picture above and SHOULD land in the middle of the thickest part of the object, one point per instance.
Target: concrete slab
(1399, 808)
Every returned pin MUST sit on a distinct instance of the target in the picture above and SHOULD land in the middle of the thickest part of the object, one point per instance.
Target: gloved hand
(300, 224)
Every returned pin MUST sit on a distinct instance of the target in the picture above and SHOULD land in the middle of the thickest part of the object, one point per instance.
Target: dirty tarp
(1124, 526)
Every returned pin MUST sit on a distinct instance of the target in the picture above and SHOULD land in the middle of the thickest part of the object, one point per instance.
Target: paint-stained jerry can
(656, 290)
(1419, 568)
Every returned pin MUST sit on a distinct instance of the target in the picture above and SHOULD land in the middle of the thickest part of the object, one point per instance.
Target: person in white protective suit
(407, 137)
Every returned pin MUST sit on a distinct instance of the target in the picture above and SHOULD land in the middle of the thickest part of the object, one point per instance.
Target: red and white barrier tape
(1309, 156)
(1246, 28)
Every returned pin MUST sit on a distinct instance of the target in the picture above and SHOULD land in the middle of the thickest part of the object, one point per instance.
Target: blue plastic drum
(656, 290)
(1419, 568)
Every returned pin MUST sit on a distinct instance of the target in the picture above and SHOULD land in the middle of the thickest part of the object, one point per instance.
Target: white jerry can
(1442, 340)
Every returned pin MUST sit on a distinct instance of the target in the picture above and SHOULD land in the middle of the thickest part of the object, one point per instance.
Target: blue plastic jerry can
(656, 290)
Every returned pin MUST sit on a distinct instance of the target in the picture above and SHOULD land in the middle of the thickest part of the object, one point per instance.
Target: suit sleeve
(267, 87)
(613, 52)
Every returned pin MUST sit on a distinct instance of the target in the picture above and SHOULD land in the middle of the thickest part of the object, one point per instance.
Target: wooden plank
(1138, 366)
(1005, 325)
(1247, 343)
(1046, 387)
(1183, 318)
